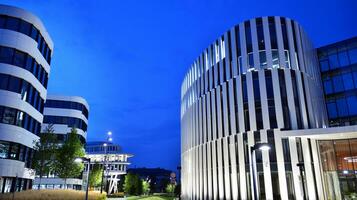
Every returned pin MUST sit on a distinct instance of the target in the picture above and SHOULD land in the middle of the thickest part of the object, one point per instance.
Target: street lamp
(260, 147)
(80, 160)
(109, 139)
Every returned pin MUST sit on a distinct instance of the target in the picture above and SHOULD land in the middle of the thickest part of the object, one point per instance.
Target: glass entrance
(339, 165)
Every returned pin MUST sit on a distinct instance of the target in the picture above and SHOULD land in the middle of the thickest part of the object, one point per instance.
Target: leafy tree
(133, 184)
(138, 185)
(44, 158)
(71, 149)
(95, 177)
(146, 187)
(170, 188)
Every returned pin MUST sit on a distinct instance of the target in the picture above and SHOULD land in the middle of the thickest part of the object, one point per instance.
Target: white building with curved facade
(64, 113)
(25, 56)
(259, 82)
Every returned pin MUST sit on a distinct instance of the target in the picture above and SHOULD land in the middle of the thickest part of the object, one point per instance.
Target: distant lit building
(64, 113)
(260, 82)
(111, 156)
(25, 57)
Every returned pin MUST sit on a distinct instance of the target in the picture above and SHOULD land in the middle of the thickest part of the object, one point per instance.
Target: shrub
(53, 195)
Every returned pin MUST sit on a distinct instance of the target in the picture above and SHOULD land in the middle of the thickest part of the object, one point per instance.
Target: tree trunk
(65, 183)
(39, 184)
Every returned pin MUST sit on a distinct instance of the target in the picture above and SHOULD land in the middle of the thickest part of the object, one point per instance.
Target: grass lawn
(151, 197)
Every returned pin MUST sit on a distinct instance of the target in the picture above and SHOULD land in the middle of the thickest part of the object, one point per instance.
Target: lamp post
(83, 159)
(260, 147)
(109, 139)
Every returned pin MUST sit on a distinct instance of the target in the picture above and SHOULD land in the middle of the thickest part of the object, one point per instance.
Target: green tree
(170, 188)
(133, 184)
(95, 177)
(72, 148)
(44, 157)
(138, 185)
(146, 187)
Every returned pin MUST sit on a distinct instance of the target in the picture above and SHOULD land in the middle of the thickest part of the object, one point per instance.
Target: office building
(115, 161)
(64, 113)
(260, 83)
(25, 57)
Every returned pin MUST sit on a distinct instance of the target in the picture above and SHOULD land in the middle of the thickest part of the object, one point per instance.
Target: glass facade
(22, 26)
(70, 121)
(15, 151)
(339, 166)
(20, 86)
(19, 118)
(21, 59)
(338, 65)
(67, 104)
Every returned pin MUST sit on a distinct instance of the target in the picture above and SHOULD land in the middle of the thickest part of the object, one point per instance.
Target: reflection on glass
(275, 55)
(339, 163)
(263, 60)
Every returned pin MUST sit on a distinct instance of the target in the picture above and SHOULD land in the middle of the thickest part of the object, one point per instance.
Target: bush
(53, 195)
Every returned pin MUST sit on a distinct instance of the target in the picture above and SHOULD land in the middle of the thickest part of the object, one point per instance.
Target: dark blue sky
(128, 58)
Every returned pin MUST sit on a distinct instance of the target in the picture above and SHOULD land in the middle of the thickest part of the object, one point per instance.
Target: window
(343, 58)
(9, 116)
(324, 65)
(34, 33)
(355, 78)
(19, 59)
(272, 31)
(275, 56)
(353, 55)
(250, 60)
(352, 102)
(248, 37)
(2, 23)
(348, 81)
(333, 60)
(284, 33)
(29, 61)
(332, 110)
(14, 84)
(14, 151)
(6, 55)
(263, 60)
(260, 34)
(342, 107)
(338, 83)
(20, 118)
(25, 27)
(12, 23)
(4, 80)
(328, 86)
(4, 149)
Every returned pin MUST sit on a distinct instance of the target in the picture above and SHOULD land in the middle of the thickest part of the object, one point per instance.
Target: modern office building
(64, 113)
(260, 83)
(25, 57)
(111, 156)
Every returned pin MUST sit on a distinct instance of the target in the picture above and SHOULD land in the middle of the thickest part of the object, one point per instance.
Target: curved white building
(255, 82)
(64, 113)
(25, 56)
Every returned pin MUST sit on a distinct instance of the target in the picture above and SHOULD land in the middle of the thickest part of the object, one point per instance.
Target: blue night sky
(128, 58)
